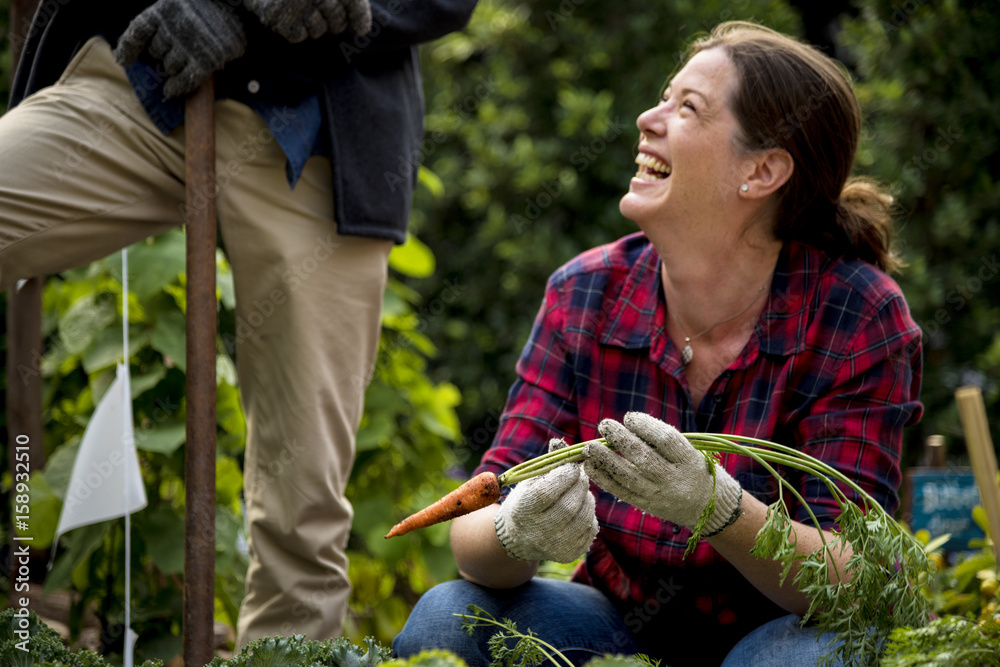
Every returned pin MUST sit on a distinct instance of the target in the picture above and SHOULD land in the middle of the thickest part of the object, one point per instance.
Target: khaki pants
(84, 172)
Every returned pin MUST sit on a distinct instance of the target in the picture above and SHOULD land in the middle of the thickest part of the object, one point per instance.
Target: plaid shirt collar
(637, 316)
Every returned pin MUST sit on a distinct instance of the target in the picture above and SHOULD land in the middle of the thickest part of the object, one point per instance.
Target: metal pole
(199, 464)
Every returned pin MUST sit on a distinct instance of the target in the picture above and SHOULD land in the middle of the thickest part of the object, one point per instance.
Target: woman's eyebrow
(692, 91)
(686, 91)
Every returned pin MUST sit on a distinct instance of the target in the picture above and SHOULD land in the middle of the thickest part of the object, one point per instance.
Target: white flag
(106, 482)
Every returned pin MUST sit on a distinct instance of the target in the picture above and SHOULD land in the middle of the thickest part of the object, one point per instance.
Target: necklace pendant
(687, 354)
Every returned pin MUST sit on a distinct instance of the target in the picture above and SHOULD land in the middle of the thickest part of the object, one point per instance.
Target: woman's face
(689, 164)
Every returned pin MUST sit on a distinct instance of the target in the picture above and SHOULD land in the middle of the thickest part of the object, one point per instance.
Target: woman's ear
(772, 169)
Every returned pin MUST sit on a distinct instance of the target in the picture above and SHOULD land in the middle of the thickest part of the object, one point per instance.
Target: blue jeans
(579, 621)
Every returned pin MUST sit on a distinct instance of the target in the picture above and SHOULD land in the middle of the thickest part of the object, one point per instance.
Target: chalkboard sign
(941, 501)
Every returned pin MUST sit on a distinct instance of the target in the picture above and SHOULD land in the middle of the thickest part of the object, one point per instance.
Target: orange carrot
(479, 492)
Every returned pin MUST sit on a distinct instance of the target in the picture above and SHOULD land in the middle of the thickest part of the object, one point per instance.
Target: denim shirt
(299, 129)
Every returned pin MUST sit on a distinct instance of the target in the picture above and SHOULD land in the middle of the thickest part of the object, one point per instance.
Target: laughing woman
(755, 300)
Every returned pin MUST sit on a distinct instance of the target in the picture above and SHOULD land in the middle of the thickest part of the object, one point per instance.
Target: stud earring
(744, 188)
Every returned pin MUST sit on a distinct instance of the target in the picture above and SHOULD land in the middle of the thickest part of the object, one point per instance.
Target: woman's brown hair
(792, 96)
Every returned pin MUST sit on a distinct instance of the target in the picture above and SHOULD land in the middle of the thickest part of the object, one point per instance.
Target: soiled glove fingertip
(613, 431)
(644, 422)
(596, 463)
(557, 443)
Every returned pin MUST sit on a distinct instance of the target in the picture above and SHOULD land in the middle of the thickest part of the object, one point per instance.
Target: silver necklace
(687, 354)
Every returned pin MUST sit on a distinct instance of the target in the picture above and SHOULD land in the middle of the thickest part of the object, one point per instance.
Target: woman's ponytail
(864, 217)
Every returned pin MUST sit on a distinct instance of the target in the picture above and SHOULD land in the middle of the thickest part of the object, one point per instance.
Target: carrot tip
(480, 491)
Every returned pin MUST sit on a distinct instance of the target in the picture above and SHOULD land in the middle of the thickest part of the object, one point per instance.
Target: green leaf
(225, 370)
(163, 438)
(83, 320)
(162, 531)
(374, 434)
(228, 481)
(413, 258)
(156, 262)
(170, 337)
(83, 542)
(44, 515)
(105, 350)
(143, 381)
(59, 467)
(431, 181)
(229, 413)
(224, 281)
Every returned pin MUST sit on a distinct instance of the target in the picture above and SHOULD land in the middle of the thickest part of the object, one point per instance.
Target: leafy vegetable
(26, 641)
(296, 650)
(948, 641)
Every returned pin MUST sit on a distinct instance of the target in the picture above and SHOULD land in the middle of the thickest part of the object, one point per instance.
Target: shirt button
(676, 529)
(717, 398)
(253, 86)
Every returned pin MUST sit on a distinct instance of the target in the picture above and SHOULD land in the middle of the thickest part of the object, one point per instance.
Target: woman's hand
(661, 473)
(550, 517)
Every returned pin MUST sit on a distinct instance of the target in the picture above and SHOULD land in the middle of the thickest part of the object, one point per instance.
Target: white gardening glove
(549, 517)
(661, 473)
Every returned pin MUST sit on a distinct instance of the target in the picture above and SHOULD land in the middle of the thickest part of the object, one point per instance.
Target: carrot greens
(879, 587)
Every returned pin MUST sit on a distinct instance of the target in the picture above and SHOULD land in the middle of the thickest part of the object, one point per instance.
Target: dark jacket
(369, 87)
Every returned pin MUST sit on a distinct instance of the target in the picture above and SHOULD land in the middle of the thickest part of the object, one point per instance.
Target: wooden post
(984, 461)
(199, 465)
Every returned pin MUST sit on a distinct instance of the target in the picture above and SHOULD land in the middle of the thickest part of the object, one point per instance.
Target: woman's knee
(783, 641)
(433, 625)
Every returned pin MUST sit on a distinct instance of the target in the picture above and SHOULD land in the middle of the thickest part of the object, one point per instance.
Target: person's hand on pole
(192, 38)
(660, 472)
(549, 517)
(296, 20)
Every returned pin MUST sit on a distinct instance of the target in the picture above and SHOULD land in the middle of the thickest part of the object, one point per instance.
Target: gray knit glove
(193, 38)
(661, 473)
(549, 517)
(295, 20)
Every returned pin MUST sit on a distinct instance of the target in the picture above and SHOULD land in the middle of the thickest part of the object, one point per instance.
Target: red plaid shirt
(832, 368)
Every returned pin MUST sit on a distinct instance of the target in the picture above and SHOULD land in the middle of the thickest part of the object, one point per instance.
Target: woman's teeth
(651, 168)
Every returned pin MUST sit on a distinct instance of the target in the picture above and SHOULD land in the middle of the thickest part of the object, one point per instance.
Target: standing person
(319, 103)
(754, 301)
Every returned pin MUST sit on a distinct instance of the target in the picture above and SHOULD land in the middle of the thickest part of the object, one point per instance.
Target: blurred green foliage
(929, 78)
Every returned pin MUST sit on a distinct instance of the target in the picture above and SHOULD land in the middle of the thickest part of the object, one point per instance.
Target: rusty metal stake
(199, 460)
